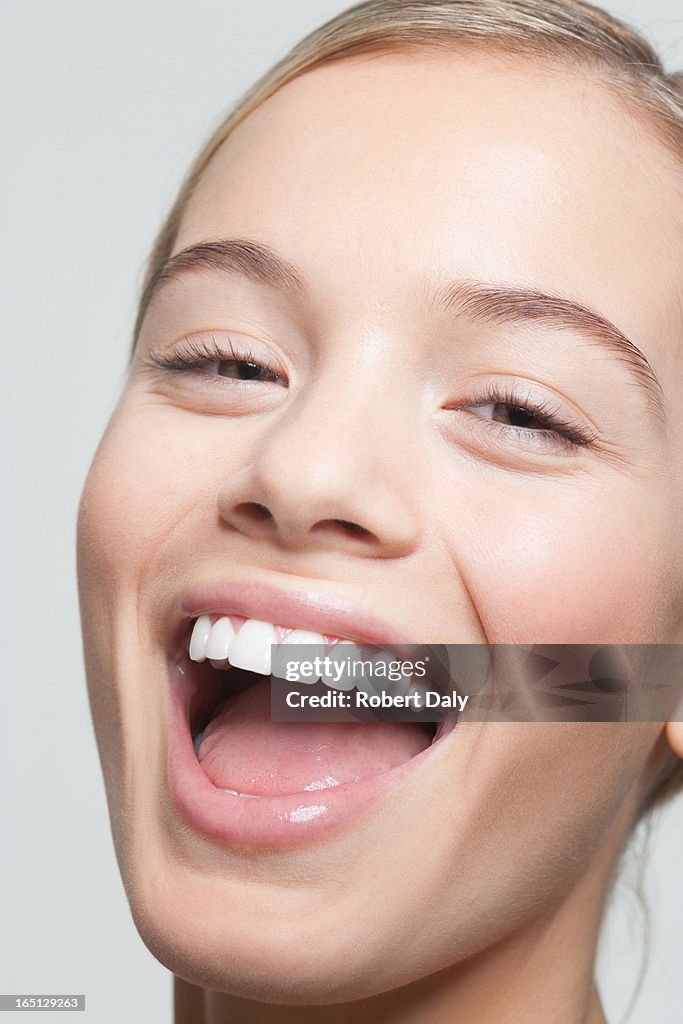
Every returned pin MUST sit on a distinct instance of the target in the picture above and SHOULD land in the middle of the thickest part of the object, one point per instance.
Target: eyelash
(548, 416)
(193, 353)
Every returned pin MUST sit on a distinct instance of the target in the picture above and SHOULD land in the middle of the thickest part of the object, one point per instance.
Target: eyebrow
(242, 256)
(479, 301)
(491, 303)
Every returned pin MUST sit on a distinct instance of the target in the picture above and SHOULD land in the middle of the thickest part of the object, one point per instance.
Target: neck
(544, 970)
(194, 1005)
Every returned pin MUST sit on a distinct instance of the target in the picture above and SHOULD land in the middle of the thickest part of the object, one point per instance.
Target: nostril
(254, 510)
(354, 528)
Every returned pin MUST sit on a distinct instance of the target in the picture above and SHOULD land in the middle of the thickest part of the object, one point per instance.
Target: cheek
(142, 487)
(145, 480)
(564, 565)
(138, 492)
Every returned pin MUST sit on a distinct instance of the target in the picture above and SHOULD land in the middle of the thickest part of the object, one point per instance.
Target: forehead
(375, 174)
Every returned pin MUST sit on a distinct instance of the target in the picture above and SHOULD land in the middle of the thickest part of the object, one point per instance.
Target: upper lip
(301, 609)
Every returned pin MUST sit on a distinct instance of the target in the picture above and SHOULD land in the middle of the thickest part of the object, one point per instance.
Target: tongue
(244, 751)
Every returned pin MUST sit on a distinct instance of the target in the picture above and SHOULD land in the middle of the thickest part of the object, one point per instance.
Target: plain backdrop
(103, 106)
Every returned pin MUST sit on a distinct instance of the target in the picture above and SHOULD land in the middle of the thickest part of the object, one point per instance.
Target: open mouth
(226, 666)
(239, 777)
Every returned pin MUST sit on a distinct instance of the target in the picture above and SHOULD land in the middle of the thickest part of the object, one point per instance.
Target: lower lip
(275, 822)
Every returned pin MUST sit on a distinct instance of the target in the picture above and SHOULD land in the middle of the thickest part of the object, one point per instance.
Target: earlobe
(674, 735)
(674, 730)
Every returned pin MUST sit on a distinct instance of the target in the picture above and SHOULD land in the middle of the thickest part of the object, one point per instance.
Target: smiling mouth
(224, 665)
(255, 784)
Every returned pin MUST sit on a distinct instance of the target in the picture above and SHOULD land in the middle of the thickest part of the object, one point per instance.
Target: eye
(216, 360)
(246, 369)
(514, 416)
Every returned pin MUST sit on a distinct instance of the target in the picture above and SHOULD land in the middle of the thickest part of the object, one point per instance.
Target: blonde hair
(570, 31)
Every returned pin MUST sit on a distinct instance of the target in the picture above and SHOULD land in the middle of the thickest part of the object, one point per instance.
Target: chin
(285, 959)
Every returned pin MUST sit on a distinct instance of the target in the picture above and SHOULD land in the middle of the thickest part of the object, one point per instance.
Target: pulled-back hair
(567, 31)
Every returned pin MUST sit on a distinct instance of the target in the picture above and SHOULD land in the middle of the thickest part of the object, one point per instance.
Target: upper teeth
(249, 648)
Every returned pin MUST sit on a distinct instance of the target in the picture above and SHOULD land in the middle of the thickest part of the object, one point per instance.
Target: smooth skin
(475, 892)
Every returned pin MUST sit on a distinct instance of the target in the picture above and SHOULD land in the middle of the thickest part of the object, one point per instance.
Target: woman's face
(375, 481)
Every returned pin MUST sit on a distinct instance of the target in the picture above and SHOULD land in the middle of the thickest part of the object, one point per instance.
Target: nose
(331, 470)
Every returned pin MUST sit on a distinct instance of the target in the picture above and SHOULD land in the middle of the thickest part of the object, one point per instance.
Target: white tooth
(364, 679)
(199, 638)
(304, 636)
(310, 639)
(398, 686)
(220, 639)
(420, 692)
(344, 654)
(250, 649)
(393, 685)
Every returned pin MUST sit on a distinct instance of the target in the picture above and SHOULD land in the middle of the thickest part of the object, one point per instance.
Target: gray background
(103, 106)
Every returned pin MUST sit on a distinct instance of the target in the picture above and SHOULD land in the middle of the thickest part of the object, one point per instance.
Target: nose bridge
(348, 421)
(336, 455)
